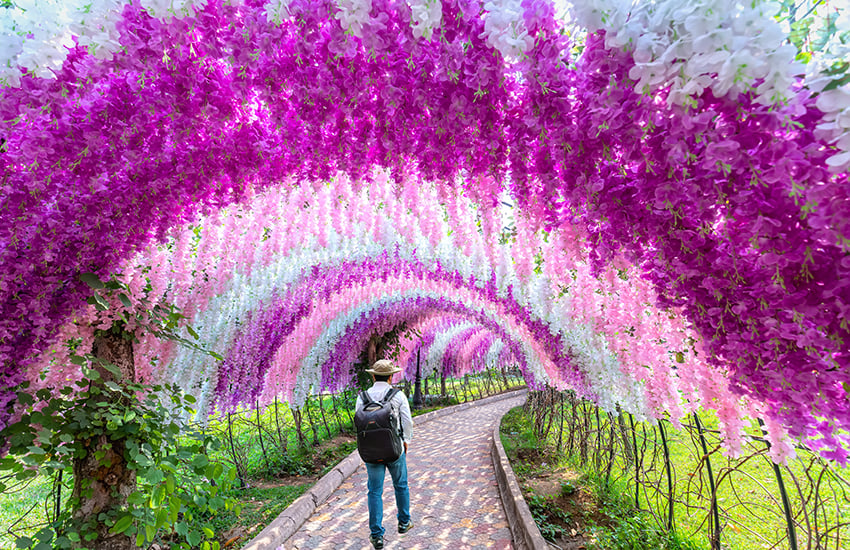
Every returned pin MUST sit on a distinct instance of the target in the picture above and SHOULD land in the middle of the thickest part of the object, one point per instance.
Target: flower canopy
(299, 176)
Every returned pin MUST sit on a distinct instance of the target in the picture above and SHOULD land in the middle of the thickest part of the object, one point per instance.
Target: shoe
(377, 542)
(405, 527)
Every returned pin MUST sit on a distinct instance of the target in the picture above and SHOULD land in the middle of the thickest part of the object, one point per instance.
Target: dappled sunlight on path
(454, 497)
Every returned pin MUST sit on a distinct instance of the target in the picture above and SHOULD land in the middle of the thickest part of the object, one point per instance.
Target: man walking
(381, 373)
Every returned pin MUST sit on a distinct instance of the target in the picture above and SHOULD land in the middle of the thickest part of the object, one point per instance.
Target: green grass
(610, 520)
(259, 506)
(276, 479)
(28, 502)
(751, 511)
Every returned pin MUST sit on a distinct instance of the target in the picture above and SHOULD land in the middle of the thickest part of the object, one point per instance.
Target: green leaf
(214, 470)
(125, 300)
(200, 461)
(99, 303)
(112, 368)
(208, 532)
(154, 475)
(150, 531)
(174, 508)
(170, 484)
(92, 280)
(158, 496)
(837, 83)
(44, 535)
(182, 529)
(122, 524)
(194, 538)
(161, 517)
(24, 542)
(25, 398)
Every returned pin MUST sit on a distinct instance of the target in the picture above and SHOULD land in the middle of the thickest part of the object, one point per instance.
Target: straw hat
(383, 367)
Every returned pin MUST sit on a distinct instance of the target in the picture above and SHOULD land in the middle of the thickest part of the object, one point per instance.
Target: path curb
(290, 520)
(524, 529)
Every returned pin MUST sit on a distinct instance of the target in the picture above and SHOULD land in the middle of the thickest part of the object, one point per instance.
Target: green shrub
(544, 511)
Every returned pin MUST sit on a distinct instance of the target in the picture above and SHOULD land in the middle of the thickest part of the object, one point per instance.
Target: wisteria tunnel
(644, 203)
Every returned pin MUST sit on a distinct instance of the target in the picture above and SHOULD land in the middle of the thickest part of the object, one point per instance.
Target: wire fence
(266, 441)
(682, 479)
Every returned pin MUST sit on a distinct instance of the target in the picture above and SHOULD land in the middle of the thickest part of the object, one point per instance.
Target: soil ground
(562, 490)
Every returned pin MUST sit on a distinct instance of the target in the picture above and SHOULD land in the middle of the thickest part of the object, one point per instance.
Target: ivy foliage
(178, 488)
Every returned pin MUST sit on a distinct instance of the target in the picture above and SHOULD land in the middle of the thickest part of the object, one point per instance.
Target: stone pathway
(454, 500)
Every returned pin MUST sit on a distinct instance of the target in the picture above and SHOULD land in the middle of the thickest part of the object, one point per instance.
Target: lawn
(749, 502)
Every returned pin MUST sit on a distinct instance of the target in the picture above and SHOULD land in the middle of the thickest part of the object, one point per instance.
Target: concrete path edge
(524, 529)
(275, 534)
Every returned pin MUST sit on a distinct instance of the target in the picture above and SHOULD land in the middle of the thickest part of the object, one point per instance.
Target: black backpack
(379, 438)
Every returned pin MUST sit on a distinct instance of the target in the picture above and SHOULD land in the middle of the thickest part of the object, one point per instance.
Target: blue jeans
(375, 485)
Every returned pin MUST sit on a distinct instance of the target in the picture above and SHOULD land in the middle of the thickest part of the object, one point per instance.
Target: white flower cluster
(353, 14)
(835, 128)
(426, 16)
(276, 11)
(36, 35)
(728, 46)
(834, 103)
(504, 28)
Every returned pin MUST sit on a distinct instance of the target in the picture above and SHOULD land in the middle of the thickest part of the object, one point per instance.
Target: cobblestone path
(454, 500)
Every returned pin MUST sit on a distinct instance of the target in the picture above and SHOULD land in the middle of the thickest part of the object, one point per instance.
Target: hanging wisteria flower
(504, 28)
(426, 16)
(353, 14)
(259, 169)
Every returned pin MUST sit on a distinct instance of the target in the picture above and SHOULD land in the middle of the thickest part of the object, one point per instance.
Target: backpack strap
(389, 395)
(366, 398)
(386, 399)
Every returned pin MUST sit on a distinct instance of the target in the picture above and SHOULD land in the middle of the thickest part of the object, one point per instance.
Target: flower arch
(713, 189)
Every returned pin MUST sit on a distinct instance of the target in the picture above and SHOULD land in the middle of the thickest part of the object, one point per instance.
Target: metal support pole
(715, 533)
(669, 475)
(417, 388)
(637, 463)
(786, 505)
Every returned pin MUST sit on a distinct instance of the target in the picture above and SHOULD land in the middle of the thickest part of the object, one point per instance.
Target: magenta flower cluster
(727, 206)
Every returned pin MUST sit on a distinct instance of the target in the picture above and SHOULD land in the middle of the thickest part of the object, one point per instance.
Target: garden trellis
(296, 176)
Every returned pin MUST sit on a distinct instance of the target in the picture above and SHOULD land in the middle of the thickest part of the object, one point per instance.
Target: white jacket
(398, 402)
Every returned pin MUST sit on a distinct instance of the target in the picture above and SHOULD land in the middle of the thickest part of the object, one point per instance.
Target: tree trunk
(104, 484)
